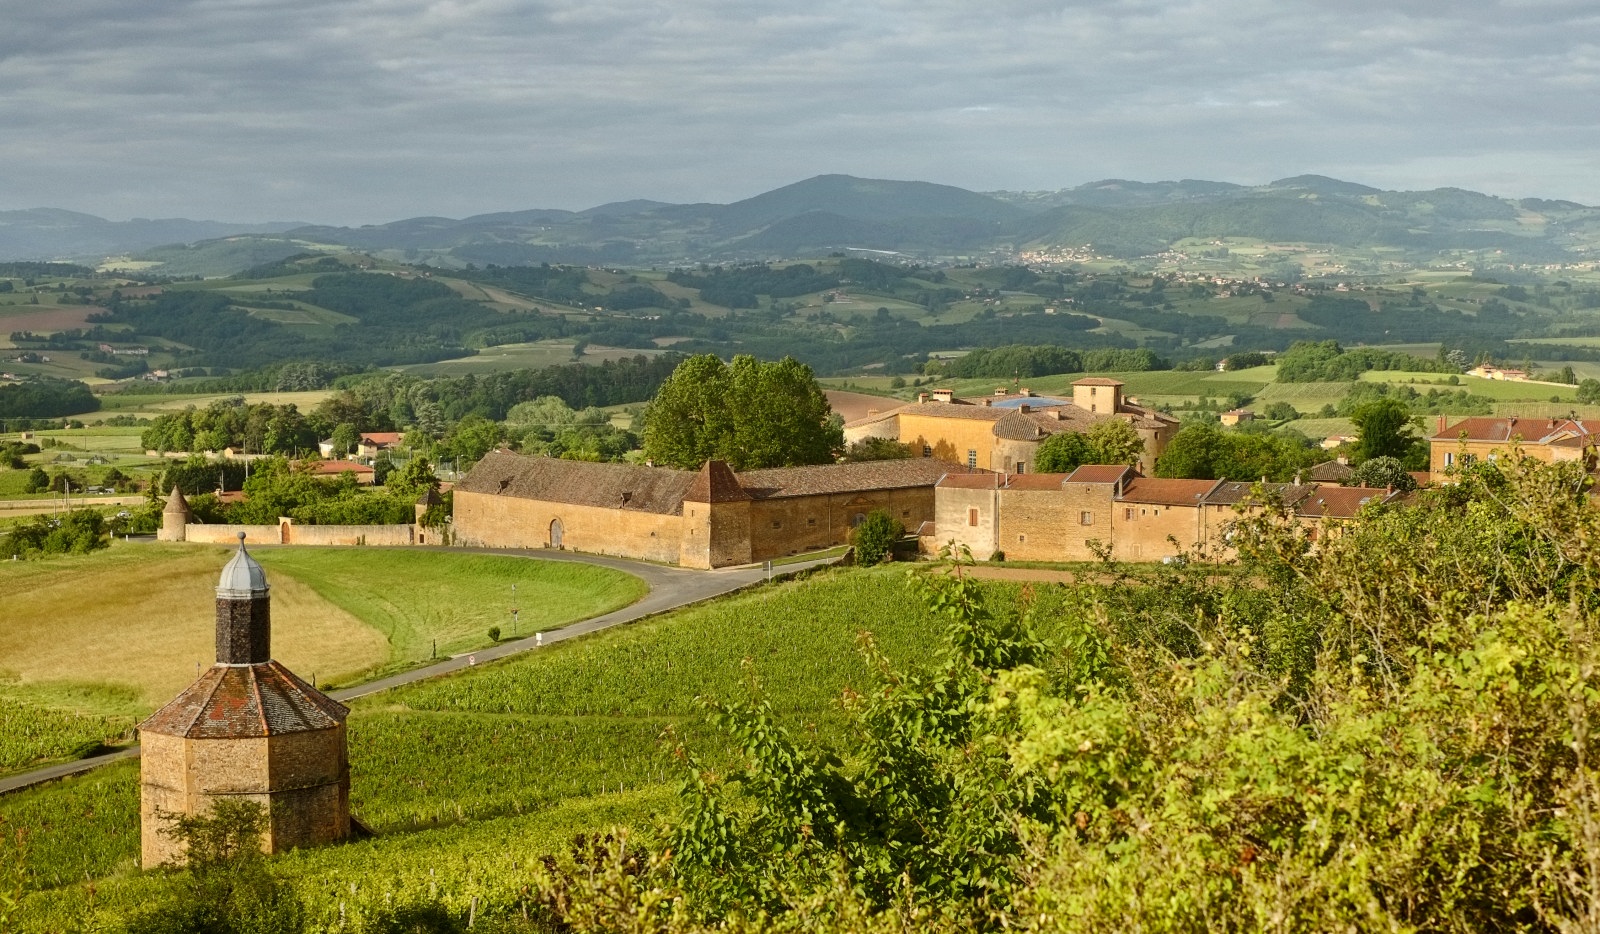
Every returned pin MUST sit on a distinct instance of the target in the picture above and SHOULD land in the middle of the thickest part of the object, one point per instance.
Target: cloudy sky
(363, 111)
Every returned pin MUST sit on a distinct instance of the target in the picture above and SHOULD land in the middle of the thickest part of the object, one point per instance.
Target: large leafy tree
(1384, 429)
(749, 413)
(1108, 441)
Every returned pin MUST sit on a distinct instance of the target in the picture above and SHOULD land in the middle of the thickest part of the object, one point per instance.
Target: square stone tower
(248, 729)
(716, 519)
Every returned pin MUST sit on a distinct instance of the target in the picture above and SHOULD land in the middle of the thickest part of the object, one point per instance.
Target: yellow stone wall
(492, 521)
(1049, 525)
(949, 438)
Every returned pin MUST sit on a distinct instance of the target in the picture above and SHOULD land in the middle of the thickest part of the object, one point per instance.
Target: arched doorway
(555, 533)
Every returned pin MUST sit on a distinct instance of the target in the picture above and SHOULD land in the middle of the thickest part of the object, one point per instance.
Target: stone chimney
(1025, 408)
(922, 397)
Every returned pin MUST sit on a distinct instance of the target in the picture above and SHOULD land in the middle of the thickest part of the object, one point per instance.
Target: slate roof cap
(242, 577)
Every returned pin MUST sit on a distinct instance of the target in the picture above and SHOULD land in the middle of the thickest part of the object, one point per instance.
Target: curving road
(670, 589)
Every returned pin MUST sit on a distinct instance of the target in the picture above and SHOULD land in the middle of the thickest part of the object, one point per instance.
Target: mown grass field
(503, 762)
(118, 633)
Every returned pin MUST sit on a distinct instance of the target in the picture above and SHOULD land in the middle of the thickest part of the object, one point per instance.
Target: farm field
(458, 773)
(131, 403)
(523, 356)
(135, 637)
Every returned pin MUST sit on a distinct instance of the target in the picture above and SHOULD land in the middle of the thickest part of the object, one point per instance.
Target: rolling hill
(828, 213)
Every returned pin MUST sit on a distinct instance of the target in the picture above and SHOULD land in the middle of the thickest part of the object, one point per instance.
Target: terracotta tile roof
(1340, 502)
(1036, 481)
(1231, 492)
(981, 480)
(1097, 381)
(954, 410)
(335, 468)
(1564, 432)
(1329, 472)
(1101, 473)
(1042, 423)
(232, 701)
(581, 483)
(846, 478)
(1167, 492)
(663, 490)
(1147, 414)
(381, 437)
(715, 483)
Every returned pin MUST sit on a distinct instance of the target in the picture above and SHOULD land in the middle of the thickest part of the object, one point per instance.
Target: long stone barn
(699, 519)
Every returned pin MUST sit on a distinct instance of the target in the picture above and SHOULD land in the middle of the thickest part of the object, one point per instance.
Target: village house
(708, 518)
(1110, 510)
(1551, 440)
(1003, 432)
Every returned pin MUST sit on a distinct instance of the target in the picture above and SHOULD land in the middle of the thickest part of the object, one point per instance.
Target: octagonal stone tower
(249, 729)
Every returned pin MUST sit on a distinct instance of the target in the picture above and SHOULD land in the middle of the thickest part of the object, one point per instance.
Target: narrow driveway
(670, 589)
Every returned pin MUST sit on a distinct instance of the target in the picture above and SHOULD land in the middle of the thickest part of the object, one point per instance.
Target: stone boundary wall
(288, 533)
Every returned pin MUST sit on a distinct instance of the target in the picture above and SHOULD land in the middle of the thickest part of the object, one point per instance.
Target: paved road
(670, 588)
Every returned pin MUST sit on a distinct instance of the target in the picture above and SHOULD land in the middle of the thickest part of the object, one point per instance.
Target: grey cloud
(368, 110)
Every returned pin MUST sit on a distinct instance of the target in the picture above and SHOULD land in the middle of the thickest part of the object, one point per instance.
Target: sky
(366, 111)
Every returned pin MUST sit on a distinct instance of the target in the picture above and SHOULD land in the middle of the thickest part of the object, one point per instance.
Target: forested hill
(1115, 217)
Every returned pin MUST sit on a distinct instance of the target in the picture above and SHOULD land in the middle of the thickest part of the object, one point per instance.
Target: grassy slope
(493, 766)
(98, 640)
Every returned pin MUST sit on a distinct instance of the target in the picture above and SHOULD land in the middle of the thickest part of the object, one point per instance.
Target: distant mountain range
(839, 212)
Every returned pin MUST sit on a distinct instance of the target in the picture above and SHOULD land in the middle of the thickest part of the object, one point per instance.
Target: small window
(811, 521)
(905, 513)
(1022, 538)
(1449, 458)
(972, 517)
(1127, 513)
(972, 458)
(777, 524)
(927, 450)
(860, 518)
(1086, 518)
(1022, 466)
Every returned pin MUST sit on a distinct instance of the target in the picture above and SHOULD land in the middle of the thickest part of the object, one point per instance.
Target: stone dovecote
(248, 728)
(175, 517)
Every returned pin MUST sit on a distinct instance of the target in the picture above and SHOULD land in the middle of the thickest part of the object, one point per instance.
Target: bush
(494, 633)
(874, 538)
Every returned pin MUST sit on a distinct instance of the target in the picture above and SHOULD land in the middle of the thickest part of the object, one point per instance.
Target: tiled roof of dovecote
(233, 701)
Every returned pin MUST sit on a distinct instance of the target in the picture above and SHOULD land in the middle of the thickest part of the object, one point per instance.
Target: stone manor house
(1003, 432)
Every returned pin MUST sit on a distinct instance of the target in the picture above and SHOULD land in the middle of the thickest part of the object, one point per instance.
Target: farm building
(1546, 439)
(1003, 432)
(246, 729)
(1113, 510)
(709, 518)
